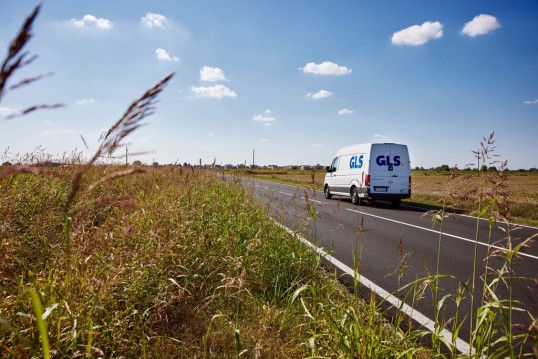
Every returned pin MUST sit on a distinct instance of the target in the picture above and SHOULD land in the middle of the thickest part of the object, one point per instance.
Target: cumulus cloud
(152, 20)
(211, 74)
(92, 23)
(530, 102)
(319, 95)
(265, 119)
(216, 91)
(345, 111)
(164, 55)
(265, 140)
(325, 68)
(85, 101)
(7, 111)
(481, 25)
(379, 136)
(418, 34)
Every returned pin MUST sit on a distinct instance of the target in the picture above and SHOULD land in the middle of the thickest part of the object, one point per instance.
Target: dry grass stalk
(112, 139)
(15, 59)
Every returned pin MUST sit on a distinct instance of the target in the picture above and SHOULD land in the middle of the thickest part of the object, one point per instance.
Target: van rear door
(401, 170)
(389, 170)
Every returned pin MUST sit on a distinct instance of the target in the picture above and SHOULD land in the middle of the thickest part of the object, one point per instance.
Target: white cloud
(345, 111)
(91, 22)
(418, 35)
(265, 140)
(216, 91)
(325, 68)
(85, 101)
(268, 124)
(152, 20)
(164, 55)
(7, 111)
(264, 119)
(319, 95)
(531, 102)
(267, 111)
(211, 135)
(379, 136)
(211, 74)
(480, 25)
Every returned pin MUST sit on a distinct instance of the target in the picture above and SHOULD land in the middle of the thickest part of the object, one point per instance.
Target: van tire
(395, 202)
(355, 196)
(327, 192)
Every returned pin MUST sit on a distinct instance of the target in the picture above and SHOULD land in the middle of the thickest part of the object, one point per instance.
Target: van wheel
(355, 196)
(395, 202)
(327, 192)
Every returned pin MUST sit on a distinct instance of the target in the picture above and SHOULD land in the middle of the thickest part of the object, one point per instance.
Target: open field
(437, 189)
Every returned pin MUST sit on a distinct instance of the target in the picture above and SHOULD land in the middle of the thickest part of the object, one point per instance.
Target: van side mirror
(329, 169)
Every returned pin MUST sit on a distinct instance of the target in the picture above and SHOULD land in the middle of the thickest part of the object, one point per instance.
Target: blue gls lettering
(356, 161)
(386, 161)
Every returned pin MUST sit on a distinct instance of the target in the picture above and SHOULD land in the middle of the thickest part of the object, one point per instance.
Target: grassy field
(174, 262)
(168, 263)
(435, 189)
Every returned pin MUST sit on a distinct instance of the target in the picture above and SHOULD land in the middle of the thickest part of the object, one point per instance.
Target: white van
(369, 172)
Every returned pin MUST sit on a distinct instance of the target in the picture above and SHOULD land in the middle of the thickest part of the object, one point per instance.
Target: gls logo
(385, 161)
(356, 161)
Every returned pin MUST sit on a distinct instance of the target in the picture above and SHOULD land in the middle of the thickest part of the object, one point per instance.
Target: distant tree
(5, 164)
(137, 163)
(155, 164)
(445, 168)
(533, 169)
(492, 169)
(484, 168)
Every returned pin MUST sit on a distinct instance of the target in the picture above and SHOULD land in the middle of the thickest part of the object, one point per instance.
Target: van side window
(335, 163)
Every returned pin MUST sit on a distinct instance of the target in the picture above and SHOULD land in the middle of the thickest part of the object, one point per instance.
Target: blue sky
(294, 80)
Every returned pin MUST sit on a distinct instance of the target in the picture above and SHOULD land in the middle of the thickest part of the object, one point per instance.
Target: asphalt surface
(393, 247)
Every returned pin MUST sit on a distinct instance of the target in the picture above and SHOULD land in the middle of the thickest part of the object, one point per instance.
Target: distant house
(272, 167)
(306, 168)
(293, 167)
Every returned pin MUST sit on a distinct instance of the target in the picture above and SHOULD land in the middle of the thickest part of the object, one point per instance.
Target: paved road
(380, 238)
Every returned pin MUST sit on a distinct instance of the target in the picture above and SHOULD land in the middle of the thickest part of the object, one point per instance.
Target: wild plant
(490, 319)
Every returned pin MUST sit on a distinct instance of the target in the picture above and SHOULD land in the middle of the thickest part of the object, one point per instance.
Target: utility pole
(126, 156)
(253, 158)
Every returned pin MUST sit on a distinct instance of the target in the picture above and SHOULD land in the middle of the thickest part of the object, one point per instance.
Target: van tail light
(410, 181)
(367, 180)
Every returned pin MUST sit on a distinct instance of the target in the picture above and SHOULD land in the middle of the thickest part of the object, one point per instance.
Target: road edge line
(461, 345)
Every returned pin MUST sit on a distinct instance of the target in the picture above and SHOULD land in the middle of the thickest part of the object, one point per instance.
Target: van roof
(353, 148)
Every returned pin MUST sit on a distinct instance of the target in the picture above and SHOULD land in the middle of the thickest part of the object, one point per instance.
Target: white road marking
(438, 232)
(420, 318)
